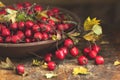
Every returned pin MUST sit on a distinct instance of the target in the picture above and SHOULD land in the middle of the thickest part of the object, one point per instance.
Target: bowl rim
(46, 41)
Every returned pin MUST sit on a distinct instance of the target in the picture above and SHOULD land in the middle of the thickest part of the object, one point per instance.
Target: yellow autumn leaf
(116, 63)
(91, 36)
(89, 23)
(80, 70)
(11, 15)
(1, 4)
(50, 75)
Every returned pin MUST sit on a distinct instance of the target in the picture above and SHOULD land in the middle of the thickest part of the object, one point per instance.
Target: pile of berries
(32, 23)
(69, 48)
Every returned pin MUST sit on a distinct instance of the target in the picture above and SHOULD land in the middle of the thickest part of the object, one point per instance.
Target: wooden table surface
(110, 52)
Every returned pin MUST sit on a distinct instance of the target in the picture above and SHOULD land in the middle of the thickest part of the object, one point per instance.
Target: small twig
(35, 55)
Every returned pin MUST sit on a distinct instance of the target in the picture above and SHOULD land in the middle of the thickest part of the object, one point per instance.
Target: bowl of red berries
(27, 28)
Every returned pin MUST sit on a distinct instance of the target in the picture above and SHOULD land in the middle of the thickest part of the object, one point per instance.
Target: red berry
(1, 39)
(82, 60)
(15, 39)
(27, 4)
(44, 19)
(5, 32)
(27, 40)
(20, 69)
(51, 65)
(86, 50)
(21, 25)
(37, 8)
(28, 33)
(55, 10)
(61, 27)
(20, 34)
(29, 24)
(36, 28)
(65, 50)
(3, 12)
(74, 51)
(48, 28)
(92, 54)
(19, 6)
(99, 60)
(50, 13)
(14, 26)
(8, 39)
(96, 48)
(68, 43)
(51, 22)
(45, 36)
(60, 54)
(38, 36)
(48, 57)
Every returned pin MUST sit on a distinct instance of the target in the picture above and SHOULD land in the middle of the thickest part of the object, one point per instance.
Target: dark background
(108, 11)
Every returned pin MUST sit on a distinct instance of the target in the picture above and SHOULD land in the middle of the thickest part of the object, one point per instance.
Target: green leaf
(97, 29)
(21, 17)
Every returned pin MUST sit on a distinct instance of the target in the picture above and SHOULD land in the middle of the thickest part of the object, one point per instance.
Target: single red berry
(27, 40)
(45, 36)
(51, 65)
(60, 54)
(51, 22)
(20, 34)
(99, 60)
(86, 51)
(96, 48)
(92, 54)
(37, 8)
(5, 32)
(27, 4)
(14, 26)
(38, 36)
(28, 33)
(60, 27)
(74, 51)
(29, 24)
(20, 69)
(3, 12)
(65, 50)
(44, 19)
(48, 28)
(68, 43)
(21, 25)
(36, 28)
(15, 39)
(50, 13)
(19, 6)
(55, 10)
(1, 39)
(66, 26)
(48, 57)
(82, 60)
(8, 39)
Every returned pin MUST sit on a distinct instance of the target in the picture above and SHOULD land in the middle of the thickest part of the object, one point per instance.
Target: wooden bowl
(24, 49)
